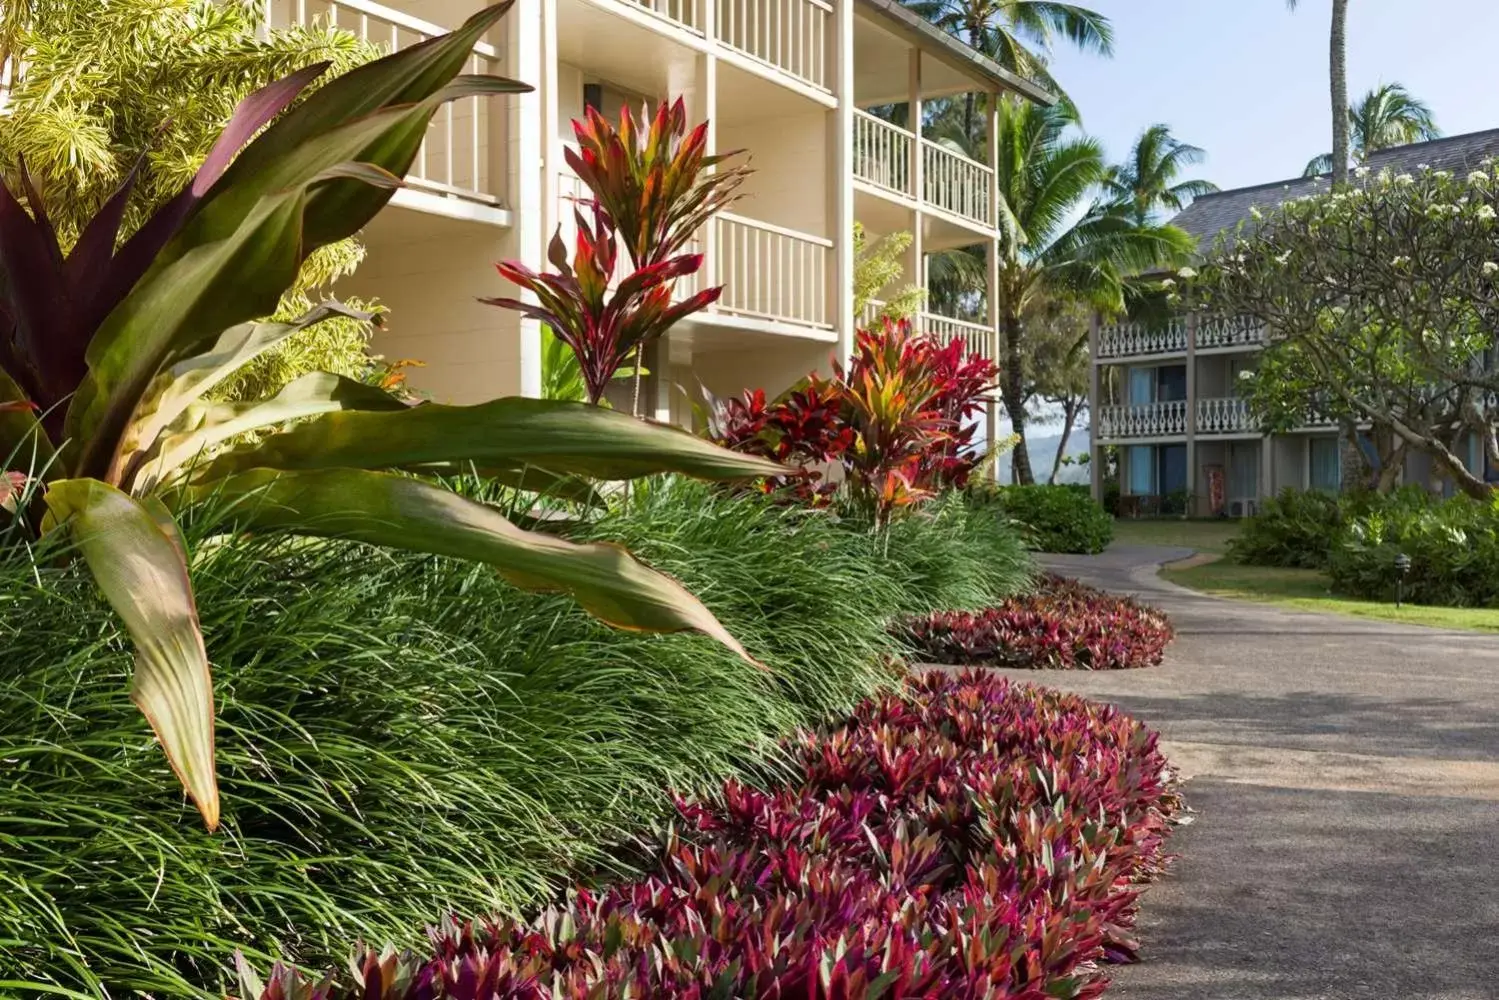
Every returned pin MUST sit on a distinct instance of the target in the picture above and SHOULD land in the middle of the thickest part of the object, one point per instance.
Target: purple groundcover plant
(968, 838)
(1063, 625)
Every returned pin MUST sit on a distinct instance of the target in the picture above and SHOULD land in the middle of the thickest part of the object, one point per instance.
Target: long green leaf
(210, 289)
(139, 561)
(204, 425)
(22, 439)
(561, 437)
(401, 512)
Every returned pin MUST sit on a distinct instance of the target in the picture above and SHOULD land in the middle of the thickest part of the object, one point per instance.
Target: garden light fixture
(1402, 567)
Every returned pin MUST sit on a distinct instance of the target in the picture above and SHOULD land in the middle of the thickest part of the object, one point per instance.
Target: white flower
(1167, 283)
(1486, 213)
(1478, 177)
(1283, 258)
(1423, 166)
(1361, 171)
(1186, 274)
(1255, 213)
(1442, 174)
(1404, 180)
(1400, 261)
(1245, 375)
(1490, 269)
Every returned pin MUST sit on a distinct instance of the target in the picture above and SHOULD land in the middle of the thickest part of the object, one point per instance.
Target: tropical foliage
(879, 266)
(1054, 518)
(1058, 240)
(1381, 302)
(1149, 182)
(652, 188)
(1062, 625)
(898, 417)
(110, 89)
(1386, 116)
(110, 425)
(1012, 829)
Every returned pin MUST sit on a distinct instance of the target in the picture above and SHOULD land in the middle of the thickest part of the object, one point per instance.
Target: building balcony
(1226, 415)
(1144, 420)
(1213, 335)
(977, 338)
(453, 172)
(885, 160)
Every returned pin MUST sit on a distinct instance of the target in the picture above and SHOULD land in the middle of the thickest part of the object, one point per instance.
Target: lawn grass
(1307, 590)
(1205, 536)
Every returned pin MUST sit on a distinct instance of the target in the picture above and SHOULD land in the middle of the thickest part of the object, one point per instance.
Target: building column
(1267, 468)
(705, 109)
(841, 200)
(917, 172)
(992, 257)
(531, 124)
(1193, 477)
(1095, 401)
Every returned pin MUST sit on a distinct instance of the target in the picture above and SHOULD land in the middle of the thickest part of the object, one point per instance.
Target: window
(1141, 386)
(1142, 470)
(1171, 383)
(1172, 469)
(1324, 464)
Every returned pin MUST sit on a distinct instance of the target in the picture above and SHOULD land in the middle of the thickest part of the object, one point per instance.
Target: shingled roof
(1212, 214)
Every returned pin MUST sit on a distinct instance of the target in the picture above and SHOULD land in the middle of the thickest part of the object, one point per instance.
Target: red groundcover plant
(1063, 625)
(898, 418)
(968, 838)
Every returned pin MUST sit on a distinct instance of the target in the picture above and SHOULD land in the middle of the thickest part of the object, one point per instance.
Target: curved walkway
(1345, 779)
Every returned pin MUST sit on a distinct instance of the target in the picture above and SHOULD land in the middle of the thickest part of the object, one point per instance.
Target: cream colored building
(787, 80)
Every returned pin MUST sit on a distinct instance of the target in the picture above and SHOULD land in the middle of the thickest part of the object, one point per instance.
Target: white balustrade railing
(1143, 420)
(684, 13)
(1229, 331)
(788, 35)
(1125, 340)
(772, 273)
(956, 184)
(882, 153)
(1225, 415)
(455, 156)
(977, 338)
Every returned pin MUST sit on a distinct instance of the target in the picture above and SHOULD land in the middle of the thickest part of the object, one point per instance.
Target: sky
(1247, 79)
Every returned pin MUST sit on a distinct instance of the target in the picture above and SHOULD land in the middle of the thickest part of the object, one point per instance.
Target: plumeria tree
(1382, 302)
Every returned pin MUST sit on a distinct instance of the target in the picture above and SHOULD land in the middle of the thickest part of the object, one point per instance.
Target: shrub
(970, 838)
(1453, 547)
(1064, 625)
(399, 736)
(1295, 529)
(1056, 518)
(952, 555)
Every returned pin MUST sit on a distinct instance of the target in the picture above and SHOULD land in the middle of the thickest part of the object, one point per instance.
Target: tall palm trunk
(1338, 65)
(1012, 388)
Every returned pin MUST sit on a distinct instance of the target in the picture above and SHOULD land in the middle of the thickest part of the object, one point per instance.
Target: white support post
(841, 141)
(992, 278)
(1095, 402)
(530, 55)
(707, 84)
(916, 169)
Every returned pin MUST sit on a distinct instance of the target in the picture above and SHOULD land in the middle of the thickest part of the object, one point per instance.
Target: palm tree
(1059, 239)
(1386, 116)
(1338, 77)
(1149, 181)
(1018, 34)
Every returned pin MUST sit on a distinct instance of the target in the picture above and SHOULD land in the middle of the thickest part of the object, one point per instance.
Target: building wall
(728, 373)
(430, 283)
(789, 186)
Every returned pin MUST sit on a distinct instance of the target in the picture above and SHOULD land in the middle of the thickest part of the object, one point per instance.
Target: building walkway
(1345, 779)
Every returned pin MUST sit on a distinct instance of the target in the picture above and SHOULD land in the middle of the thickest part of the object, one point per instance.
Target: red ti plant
(652, 189)
(657, 183)
(963, 381)
(802, 429)
(603, 325)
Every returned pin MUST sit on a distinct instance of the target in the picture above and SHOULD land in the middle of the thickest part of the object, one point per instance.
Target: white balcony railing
(1145, 420)
(1127, 340)
(977, 338)
(772, 273)
(956, 184)
(882, 153)
(684, 13)
(1225, 415)
(788, 35)
(454, 159)
(1229, 331)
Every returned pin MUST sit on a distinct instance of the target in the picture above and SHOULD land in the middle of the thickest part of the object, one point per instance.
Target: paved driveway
(1345, 776)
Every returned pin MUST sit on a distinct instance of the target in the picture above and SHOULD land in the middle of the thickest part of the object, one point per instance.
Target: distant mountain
(1043, 452)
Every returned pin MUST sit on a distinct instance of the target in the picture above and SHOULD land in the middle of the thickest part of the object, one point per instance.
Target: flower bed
(970, 838)
(1063, 625)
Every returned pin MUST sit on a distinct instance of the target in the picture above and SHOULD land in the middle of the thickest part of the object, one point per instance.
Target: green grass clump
(955, 555)
(400, 736)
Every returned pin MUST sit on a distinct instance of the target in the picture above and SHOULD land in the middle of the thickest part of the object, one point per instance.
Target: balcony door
(1157, 384)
